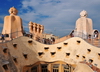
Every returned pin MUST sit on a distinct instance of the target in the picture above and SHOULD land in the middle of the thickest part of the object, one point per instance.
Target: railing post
(17, 33)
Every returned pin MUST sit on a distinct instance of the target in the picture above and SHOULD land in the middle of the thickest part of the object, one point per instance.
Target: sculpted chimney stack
(12, 24)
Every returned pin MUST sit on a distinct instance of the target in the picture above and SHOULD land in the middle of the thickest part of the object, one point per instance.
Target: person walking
(2, 37)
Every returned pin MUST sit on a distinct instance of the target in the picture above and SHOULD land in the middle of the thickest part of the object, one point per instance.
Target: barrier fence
(11, 36)
(92, 39)
(89, 38)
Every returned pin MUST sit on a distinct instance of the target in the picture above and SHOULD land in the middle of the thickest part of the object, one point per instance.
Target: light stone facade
(45, 35)
(77, 48)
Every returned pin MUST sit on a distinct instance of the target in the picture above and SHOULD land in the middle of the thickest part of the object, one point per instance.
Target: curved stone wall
(72, 51)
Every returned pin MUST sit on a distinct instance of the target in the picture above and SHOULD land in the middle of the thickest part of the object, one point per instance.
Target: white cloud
(61, 13)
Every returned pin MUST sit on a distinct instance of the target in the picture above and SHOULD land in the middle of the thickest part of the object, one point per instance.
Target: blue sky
(57, 16)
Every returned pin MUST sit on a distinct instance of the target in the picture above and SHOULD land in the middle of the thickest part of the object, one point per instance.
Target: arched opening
(57, 66)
